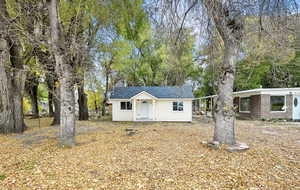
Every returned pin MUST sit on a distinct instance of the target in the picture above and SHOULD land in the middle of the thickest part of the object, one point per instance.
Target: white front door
(143, 112)
(296, 108)
(144, 109)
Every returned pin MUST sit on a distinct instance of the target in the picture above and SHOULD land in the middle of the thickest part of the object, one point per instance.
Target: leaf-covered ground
(159, 156)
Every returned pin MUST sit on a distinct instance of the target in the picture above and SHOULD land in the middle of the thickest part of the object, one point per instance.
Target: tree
(294, 66)
(227, 18)
(31, 85)
(12, 76)
(66, 77)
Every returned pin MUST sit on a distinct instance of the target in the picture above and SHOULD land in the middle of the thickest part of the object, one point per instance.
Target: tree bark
(51, 79)
(67, 106)
(34, 101)
(31, 85)
(224, 110)
(50, 104)
(66, 78)
(12, 77)
(6, 110)
(56, 101)
(53, 94)
(229, 22)
(82, 102)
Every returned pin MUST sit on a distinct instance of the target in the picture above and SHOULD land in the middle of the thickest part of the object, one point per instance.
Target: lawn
(159, 156)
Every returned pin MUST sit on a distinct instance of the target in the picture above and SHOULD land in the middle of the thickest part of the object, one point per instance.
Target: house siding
(163, 111)
(255, 102)
(254, 108)
(120, 115)
(260, 108)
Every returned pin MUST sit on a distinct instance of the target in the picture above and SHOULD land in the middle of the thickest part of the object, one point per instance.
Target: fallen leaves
(158, 156)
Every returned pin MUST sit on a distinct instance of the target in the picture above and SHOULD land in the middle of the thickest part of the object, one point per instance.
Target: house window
(277, 103)
(245, 104)
(177, 106)
(126, 106)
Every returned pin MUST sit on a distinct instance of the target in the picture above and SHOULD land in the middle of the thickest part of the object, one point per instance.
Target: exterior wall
(242, 115)
(120, 115)
(266, 112)
(260, 108)
(163, 111)
(255, 106)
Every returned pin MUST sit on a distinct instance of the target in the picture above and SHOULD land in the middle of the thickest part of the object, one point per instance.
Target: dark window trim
(177, 106)
(128, 105)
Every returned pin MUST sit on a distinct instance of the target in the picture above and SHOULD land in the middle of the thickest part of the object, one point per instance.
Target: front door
(143, 112)
(296, 108)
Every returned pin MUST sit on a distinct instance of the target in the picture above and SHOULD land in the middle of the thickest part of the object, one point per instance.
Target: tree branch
(184, 17)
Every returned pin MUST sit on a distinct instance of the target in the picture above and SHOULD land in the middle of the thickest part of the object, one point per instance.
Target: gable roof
(157, 91)
(143, 93)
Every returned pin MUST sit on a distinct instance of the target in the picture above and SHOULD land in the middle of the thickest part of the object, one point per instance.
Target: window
(245, 104)
(126, 106)
(277, 103)
(295, 102)
(177, 106)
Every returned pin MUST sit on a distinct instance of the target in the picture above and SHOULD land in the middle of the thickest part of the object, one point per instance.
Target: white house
(152, 103)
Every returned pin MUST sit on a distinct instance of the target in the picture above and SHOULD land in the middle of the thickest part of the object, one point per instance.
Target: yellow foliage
(94, 98)
(26, 105)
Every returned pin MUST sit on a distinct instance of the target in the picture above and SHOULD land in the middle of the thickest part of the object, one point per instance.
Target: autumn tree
(12, 75)
(65, 72)
(227, 18)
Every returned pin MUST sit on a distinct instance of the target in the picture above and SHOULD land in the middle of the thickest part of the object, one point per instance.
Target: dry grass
(160, 156)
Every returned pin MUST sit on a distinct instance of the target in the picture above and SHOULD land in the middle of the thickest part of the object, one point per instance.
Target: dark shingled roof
(157, 91)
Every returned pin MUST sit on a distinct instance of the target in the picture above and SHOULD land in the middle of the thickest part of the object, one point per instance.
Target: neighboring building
(262, 103)
(268, 103)
(152, 103)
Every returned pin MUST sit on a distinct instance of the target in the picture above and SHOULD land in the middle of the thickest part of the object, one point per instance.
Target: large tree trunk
(12, 78)
(65, 72)
(224, 109)
(34, 101)
(67, 111)
(82, 102)
(31, 85)
(6, 110)
(229, 22)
